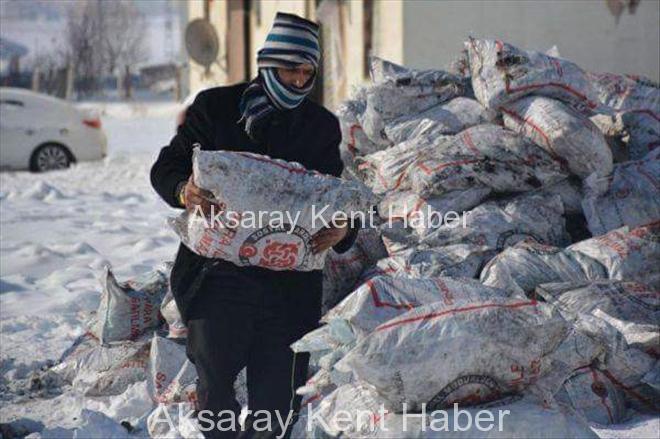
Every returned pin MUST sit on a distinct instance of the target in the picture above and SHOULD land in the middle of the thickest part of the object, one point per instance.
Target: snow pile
(537, 296)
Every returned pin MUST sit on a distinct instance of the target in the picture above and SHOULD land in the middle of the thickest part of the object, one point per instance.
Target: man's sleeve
(330, 160)
(333, 165)
(174, 163)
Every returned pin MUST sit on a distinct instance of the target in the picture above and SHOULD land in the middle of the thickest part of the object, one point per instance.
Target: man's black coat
(308, 134)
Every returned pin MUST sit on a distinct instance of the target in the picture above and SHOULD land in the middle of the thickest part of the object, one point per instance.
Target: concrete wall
(386, 40)
(584, 31)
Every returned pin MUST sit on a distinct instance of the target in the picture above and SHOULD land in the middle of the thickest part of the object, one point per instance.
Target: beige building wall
(585, 31)
(198, 79)
(389, 30)
(386, 39)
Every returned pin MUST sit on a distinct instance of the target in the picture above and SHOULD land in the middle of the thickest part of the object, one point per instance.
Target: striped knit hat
(292, 41)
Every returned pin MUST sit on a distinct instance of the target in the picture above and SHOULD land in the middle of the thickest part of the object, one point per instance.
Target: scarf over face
(292, 41)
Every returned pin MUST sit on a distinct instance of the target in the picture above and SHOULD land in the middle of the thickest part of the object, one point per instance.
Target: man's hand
(326, 238)
(196, 196)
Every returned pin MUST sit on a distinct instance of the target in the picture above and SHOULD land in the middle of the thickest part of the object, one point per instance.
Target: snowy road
(57, 231)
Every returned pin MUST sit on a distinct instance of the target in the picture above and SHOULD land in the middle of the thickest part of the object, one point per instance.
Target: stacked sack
(137, 335)
(631, 113)
(114, 352)
(539, 295)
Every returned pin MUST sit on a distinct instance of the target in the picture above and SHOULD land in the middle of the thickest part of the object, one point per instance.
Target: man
(248, 316)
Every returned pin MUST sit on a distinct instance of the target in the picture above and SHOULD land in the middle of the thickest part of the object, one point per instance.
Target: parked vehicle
(42, 133)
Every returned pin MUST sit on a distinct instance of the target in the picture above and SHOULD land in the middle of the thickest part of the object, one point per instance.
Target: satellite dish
(202, 42)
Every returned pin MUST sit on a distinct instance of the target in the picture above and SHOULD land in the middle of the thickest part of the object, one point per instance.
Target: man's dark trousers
(251, 321)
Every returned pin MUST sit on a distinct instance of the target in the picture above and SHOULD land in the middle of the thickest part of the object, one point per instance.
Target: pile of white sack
(137, 336)
(535, 290)
(514, 263)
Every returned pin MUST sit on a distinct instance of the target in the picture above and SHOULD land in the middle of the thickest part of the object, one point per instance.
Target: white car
(42, 133)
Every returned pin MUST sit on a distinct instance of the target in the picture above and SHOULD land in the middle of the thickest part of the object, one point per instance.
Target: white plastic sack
(128, 309)
(626, 92)
(387, 102)
(626, 253)
(397, 237)
(359, 401)
(382, 71)
(502, 73)
(322, 339)
(592, 394)
(500, 224)
(487, 156)
(449, 118)
(624, 364)
(354, 141)
(528, 264)
(171, 314)
(98, 370)
(388, 170)
(383, 298)
(286, 191)
(371, 244)
(471, 352)
(512, 418)
(426, 214)
(172, 376)
(643, 128)
(628, 197)
(398, 90)
(457, 260)
(570, 192)
(319, 385)
(632, 134)
(632, 308)
(636, 101)
(566, 135)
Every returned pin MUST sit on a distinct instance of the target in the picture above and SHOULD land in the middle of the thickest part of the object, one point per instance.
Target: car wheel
(49, 157)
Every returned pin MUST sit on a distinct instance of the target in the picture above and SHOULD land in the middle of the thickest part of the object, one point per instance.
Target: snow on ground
(57, 231)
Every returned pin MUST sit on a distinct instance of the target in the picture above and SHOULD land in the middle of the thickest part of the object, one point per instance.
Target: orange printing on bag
(534, 371)
(442, 166)
(351, 143)
(533, 126)
(279, 254)
(135, 317)
(447, 295)
(455, 311)
(295, 170)
(380, 304)
(382, 179)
